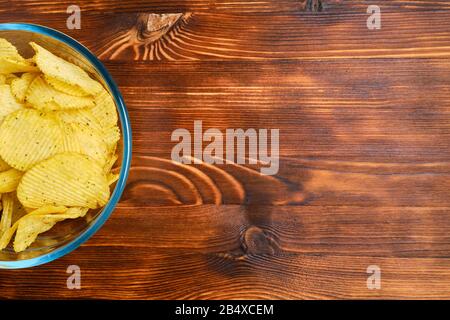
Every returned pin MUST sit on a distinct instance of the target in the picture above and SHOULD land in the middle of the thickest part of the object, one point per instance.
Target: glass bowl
(66, 236)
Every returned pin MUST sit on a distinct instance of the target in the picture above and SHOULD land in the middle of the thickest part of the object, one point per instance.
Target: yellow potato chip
(19, 86)
(5, 238)
(62, 70)
(82, 139)
(105, 110)
(7, 50)
(18, 209)
(9, 65)
(9, 78)
(31, 226)
(80, 116)
(9, 180)
(112, 177)
(111, 136)
(70, 179)
(2, 79)
(28, 136)
(110, 163)
(42, 96)
(3, 165)
(65, 87)
(8, 104)
(8, 206)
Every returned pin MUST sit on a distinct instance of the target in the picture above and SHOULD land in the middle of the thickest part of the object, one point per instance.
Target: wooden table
(364, 179)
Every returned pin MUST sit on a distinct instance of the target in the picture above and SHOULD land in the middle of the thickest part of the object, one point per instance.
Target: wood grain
(364, 144)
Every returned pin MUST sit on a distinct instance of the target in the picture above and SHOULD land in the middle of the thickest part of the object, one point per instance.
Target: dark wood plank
(253, 252)
(382, 111)
(254, 36)
(140, 273)
(156, 181)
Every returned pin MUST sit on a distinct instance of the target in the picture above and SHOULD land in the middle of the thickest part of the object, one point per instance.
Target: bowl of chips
(65, 145)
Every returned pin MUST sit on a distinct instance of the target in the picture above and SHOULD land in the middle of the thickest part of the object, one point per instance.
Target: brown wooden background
(365, 151)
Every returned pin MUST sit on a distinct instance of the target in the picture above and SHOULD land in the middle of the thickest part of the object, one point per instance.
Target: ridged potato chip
(7, 213)
(4, 166)
(8, 104)
(9, 180)
(19, 86)
(62, 70)
(31, 226)
(28, 136)
(65, 87)
(82, 120)
(105, 110)
(112, 177)
(80, 116)
(110, 163)
(82, 139)
(6, 237)
(70, 179)
(8, 65)
(9, 78)
(44, 97)
(8, 50)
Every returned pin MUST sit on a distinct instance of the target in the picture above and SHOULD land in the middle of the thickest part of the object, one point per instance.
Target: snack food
(58, 139)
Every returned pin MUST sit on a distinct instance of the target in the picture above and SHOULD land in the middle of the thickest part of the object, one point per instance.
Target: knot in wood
(257, 241)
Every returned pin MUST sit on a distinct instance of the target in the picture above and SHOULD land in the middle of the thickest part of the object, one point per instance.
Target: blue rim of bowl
(126, 133)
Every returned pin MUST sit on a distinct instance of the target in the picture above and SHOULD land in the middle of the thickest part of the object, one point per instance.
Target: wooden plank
(140, 273)
(382, 111)
(233, 6)
(156, 181)
(258, 229)
(252, 6)
(253, 36)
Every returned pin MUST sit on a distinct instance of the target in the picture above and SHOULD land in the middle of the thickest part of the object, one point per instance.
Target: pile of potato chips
(58, 139)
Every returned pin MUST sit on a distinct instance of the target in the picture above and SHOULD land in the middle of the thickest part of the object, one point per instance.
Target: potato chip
(19, 86)
(9, 180)
(70, 179)
(82, 120)
(28, 136)
(3, 165)
(64, 71)
(111, 136)
(82, 139)
(5, 238)
(9, 78)
(105, 109)
(112, 177)
(8, 104)
(65, 87)
(44, 97)
(2, 79)
(80, 116)
(8, 65)
(18, 209)
(7, 50)
(8, 206)
(31, 226)
(110, 163)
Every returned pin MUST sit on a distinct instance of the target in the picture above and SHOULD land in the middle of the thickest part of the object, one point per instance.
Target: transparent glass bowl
(68, 235)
